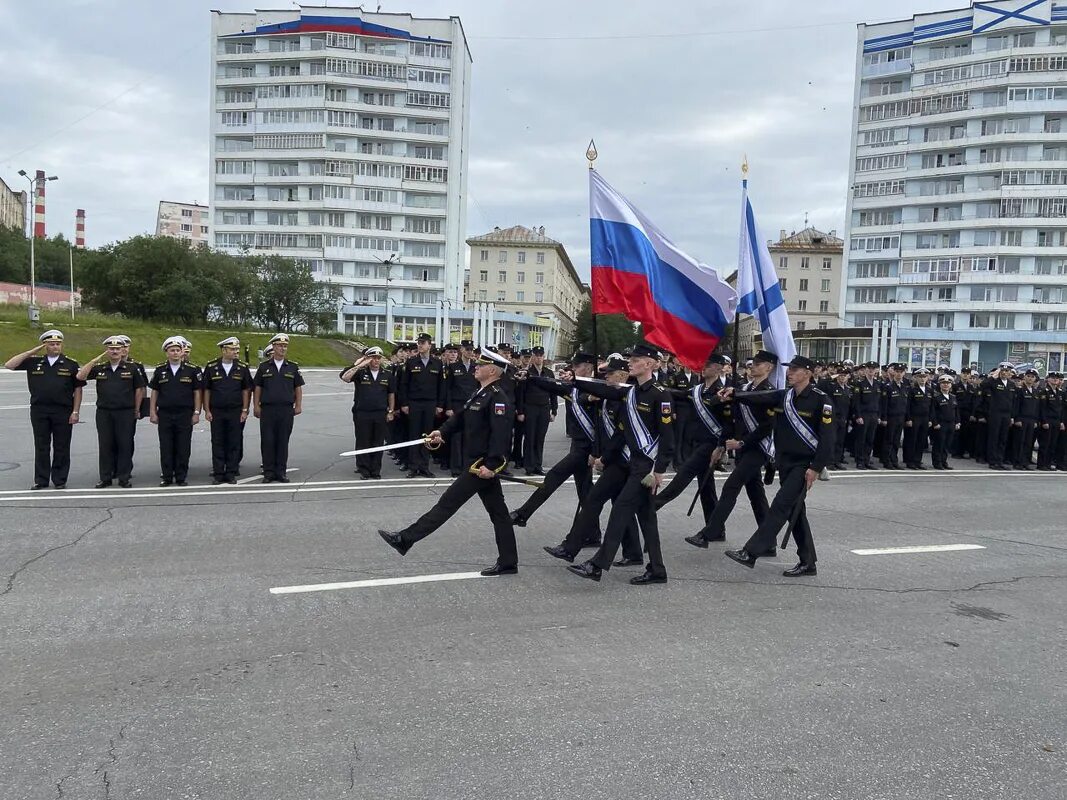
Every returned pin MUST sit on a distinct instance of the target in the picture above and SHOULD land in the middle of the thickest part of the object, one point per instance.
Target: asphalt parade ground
(262, 642)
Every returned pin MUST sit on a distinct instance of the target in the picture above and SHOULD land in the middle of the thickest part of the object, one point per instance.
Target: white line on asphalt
(329, 587)
(928, 548)
(251, 478)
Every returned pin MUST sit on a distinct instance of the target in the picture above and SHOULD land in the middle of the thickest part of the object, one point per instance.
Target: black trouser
(840, 436)
(175, 428)
(421, 417)
(586, 523)
(791, 476)
(683, 444)
(516, 444)
(115, 428)
(633, 501)
(698, 465)
(996, 438)
(1024, 442)
(535, 430)
(275, 428)
(226, 438)
(865, 440)
(1048, 441)
(963, 442)
(915, 440)
(575, 463)
(455, 445)
(463, 489)
(1060, 457)
(51, 444)
(371, 428)
(979, 436)
(939, 441)
(894, 426)
(748, 472)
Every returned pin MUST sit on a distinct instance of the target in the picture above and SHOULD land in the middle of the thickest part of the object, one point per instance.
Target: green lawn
(83, 337)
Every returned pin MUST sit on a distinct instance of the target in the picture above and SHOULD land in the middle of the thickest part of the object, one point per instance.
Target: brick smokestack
(79, 229)
(38, 206)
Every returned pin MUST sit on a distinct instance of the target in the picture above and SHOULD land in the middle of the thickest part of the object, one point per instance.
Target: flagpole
(590, 155)
(737, 316)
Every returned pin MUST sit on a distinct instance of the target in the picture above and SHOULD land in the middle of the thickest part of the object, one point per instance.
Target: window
(521, 256)
(871, 270)
(1011, 238)
(825, 286)
(827, 263)
(540, 258)
(824, 306)
(783, 262)
(484, 255)
(822, 326)
(203, 229)
(539, 278)
(483, 294)
(803, 284)
(187, 212)
(781, 283)
(805, 263)
(500, 296)
(802, 305)
(878, 189)
(801, 326)
(520, 296)
(187, 228)
(483, 276)
(872, 295)
(539, 297)
(520, 277)
(1049, 322)
(502, 276)
(502, 257)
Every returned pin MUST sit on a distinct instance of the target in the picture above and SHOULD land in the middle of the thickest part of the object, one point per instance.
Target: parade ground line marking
(329, 587)
(929, 548)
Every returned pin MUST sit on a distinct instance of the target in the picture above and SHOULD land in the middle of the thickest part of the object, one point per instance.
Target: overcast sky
(112, 96)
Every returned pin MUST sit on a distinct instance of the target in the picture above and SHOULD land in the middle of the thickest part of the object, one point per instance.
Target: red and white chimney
(38, 205)
(79, 229)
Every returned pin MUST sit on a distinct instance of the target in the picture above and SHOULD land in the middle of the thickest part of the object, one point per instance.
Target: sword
(509, 478)
(793, 517)
(708, 475)
(425, 440)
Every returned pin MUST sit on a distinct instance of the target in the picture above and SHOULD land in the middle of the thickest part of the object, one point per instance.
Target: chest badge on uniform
(499, 409)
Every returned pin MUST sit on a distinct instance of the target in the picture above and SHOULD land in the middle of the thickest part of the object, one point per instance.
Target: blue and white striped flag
(758, 290)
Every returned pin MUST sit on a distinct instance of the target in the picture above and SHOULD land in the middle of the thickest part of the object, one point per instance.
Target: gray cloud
(672, 115)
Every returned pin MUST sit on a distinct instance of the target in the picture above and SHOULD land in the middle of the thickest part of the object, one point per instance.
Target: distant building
(747, 332)
(183, 221)
(12, 208)
(520, 269)
(809, 271)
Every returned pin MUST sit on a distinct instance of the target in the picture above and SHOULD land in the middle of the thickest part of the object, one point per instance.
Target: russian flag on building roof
(683, 305)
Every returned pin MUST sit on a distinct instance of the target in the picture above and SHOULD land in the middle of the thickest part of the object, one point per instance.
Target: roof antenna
(805, 219)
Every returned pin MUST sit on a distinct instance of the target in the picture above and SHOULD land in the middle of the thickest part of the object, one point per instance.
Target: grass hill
(83, 336)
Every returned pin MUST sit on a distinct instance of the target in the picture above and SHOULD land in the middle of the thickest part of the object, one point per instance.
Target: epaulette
(294, 363)
(817, 390)
(213, 362)
(660, 386)
(160, 365)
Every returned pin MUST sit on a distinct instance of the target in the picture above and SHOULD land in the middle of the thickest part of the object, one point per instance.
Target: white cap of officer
(54, 335)
(173, 341)
(230, 341)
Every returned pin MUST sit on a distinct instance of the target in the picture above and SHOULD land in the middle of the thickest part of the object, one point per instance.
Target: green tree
(289, 298)
(614, 332)
(51, 258)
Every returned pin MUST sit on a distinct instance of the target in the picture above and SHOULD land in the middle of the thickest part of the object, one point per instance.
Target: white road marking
(329, 587)
(251, 478)
(928, 548)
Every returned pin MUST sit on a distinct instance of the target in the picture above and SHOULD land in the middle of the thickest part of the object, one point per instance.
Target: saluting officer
(420, 387)
(460, 386)
(803, 446)
(227, 398)
(175, 408)
(119, 389)
(278, 400)
(373, 407)
(487, 423)
(55, 403)
(536, 407)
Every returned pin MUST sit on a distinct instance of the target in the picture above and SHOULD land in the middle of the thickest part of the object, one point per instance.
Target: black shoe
(165, 482)
(376, 477)
(697, 541)
(412, 473)
(842, 466)
(103, 484)
(282, 479)
(560, 552)
(586, 570)
(921, 466)
(771, 553)
(497, 569)
(742, 557)
(61, 486)
(629, 562)
(217, 480)
(426, 473)
(911, 466)
(232, 480)
(799, 570)
(268, 479)
(1025, 466)
(37, 486)
(1045, 469)
(518, 520)
(182, 483)
(594, 542)
(456, 473)
(125, 484)
(832, 467)
(394, 541)
(648, 577)
(945, 466)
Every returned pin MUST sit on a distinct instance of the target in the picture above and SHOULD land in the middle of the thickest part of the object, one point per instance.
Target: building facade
(957, 209)
(521, 270)
(809, 264)
(339, 138)
(12, 208)
(187, 221)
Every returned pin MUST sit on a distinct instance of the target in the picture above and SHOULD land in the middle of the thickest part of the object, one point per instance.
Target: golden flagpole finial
(591, 153)
(744, 167)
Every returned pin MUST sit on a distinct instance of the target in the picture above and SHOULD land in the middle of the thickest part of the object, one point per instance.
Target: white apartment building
(188, 221)
(339, 137)
(957, 207)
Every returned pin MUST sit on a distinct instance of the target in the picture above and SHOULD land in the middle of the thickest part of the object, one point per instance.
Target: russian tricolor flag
(683, 305)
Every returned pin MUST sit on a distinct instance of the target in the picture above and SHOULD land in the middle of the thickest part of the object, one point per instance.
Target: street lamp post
(29, 227)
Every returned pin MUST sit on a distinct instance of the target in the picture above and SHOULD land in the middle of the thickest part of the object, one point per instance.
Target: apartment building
(957, 209)
(339, 137)
(188, 221)
(809, 265)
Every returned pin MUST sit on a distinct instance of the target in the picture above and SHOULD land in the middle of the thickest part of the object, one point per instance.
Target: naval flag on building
(683, 305)
(758, 290)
